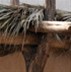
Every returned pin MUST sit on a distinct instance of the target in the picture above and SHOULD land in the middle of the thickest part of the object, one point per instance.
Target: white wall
(6, 2)
(63, 4)
(60, 4)
(35, 2)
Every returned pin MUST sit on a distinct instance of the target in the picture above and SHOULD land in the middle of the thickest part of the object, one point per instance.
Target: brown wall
(12, 63)
(59, 62)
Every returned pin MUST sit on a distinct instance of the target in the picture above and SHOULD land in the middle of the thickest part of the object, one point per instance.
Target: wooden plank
(33, 40)
(30, 39)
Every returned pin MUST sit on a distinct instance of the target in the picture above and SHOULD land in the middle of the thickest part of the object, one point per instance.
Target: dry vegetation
(18, 19)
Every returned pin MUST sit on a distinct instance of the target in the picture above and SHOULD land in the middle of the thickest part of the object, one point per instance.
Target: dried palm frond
(63, 15)
(18, 19)
(12, 19)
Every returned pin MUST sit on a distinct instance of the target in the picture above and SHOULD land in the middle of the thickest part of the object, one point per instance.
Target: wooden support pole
(54, 27)
(30, 39)
(14, 2)
(49, 9)
(56, 44)
(43, 49)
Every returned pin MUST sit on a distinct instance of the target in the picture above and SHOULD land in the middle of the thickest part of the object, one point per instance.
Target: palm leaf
(20, 17)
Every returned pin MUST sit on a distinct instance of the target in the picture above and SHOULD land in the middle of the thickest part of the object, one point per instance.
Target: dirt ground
(16, 63)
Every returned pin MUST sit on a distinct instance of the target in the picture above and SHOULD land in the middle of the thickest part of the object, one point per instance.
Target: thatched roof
(12, 19)
(16, 19)
(63, 15)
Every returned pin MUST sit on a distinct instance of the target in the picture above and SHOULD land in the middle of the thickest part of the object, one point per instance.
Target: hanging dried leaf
(24, 16)
(63, 15)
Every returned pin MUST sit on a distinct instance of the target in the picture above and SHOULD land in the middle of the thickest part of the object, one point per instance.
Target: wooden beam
(54, 27)
(65, 44)
(30, 39)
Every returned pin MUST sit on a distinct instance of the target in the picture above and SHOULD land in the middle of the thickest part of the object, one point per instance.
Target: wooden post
(49, 9)
(14, 2)
(43, 49)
